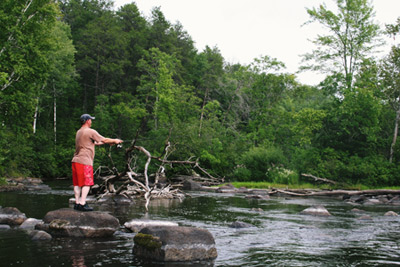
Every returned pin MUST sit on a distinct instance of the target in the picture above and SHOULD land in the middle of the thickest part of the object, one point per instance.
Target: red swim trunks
(82, 175)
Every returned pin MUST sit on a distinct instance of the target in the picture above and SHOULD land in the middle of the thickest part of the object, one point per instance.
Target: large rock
(175, 243)
(136, 225)
(69, 222)
(391, 213)
(11, 216)
(316, 211)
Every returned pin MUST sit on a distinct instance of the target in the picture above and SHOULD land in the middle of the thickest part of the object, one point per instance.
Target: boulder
(30, 223)
(316, 211)
(357, 198)
(4, 227)
(372, 201)
(175, 243)
(391, 213)
(69, 222)
(191, 185)
(11, 216)
(137, 225)
(239, 224)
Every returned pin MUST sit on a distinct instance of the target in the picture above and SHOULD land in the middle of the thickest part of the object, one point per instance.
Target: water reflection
(78, 261)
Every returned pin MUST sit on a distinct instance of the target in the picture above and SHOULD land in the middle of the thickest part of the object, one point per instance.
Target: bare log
(318, 178)
(307, 193)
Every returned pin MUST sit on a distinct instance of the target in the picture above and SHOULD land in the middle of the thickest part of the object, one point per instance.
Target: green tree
(352, 35)
(26, 31)
(390, 79)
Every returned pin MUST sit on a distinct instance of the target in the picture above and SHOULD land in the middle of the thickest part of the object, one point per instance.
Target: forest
(144, 80)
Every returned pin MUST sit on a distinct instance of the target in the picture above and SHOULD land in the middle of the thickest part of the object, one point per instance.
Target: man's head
(85, 118)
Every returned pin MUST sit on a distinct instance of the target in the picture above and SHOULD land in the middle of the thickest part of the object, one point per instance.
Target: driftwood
(307, 193)
(129, 183)
(318, 179)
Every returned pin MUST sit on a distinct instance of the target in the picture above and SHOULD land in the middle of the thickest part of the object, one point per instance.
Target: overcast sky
(244, 30)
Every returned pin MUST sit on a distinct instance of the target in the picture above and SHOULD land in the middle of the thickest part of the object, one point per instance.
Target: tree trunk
(396, 129)
(55, 114)
(202, 111)
(35, 115)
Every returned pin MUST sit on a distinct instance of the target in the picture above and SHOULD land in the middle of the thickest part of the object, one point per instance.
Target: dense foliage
(59, 59)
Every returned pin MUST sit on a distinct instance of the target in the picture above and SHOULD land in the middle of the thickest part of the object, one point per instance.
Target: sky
(246, 29)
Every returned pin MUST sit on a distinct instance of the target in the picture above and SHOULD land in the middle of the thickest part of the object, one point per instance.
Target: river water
(280, 236)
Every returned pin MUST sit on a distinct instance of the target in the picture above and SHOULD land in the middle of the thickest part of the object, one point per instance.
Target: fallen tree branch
(319, 179)
(307, 193)
(132, 186)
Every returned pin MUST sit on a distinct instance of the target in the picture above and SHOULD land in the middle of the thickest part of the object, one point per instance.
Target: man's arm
(110, 141)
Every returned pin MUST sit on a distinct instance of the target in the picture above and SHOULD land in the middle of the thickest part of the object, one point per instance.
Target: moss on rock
(147, 241)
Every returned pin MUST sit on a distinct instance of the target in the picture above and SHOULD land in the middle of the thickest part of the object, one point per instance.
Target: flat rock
(69, 222)
(137, 225)
(175, 243)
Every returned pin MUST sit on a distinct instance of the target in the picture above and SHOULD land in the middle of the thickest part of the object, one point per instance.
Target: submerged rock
(239, 224)
(355, 210)
(69, 222)
(137, 225)
(365, 218)
(316, 211)
(11, 216)
(175, 243)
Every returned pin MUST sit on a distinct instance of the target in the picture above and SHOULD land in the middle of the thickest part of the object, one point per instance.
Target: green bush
(260, 161)
(280, 175)
(242, 174)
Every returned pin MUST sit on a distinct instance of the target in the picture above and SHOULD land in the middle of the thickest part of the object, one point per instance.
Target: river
(280, 236)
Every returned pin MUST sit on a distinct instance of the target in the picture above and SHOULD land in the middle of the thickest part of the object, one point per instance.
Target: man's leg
(85, 192)
(77, 191)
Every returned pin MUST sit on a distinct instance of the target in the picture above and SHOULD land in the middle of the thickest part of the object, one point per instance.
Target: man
(82, 162)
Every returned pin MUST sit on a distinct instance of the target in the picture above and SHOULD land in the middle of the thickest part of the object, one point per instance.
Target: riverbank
(22, 184)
